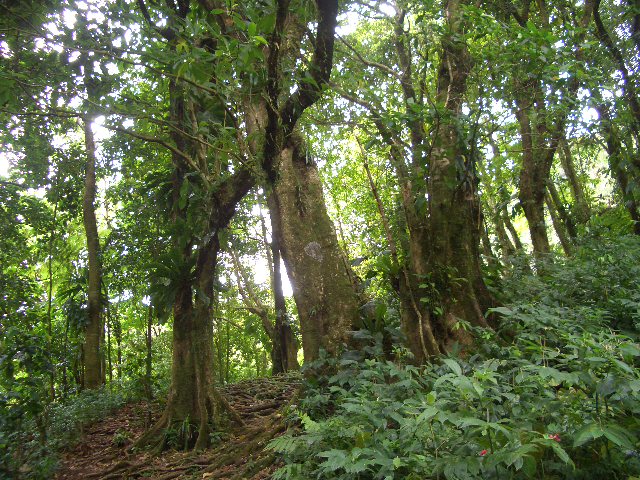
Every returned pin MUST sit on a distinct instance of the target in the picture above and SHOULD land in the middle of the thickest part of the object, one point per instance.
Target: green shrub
(555, 393)
(30, 445)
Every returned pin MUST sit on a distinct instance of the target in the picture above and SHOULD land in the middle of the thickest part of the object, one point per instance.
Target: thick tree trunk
(93, 375)
(533, 181)
(193, 403)
(454, 208)
(326, 300)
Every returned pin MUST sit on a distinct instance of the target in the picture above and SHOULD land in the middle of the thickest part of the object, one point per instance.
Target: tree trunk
(285, 344)
(454, 208)
(93, 375)
(193, 401)
(533, 180)
(561, 211)
(583, 212)
(326, 300)
(148, 359)
(619, 167)
(541, 135)
(559, 226)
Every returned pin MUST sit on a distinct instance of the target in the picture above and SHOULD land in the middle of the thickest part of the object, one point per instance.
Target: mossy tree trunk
(454, 207)
(193, 403)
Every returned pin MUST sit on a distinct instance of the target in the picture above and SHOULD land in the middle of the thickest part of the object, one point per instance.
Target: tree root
(156, 436)
(251, 445)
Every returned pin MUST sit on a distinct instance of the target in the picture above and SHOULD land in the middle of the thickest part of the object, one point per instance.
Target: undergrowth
(554, 393)
(29, 449)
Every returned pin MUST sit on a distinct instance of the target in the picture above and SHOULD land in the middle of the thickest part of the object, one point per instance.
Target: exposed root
(238, 454)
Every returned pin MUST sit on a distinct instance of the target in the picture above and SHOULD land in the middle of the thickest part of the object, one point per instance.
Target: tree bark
(454, 208)
(534, 171)
(583, 212)
(285, 344)
(559, 226)
(619, 167)
(93, 375)
(322, 289)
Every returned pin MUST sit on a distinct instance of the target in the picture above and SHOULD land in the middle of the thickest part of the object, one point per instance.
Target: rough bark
(454, 208)
(326, 301)
(322, 289)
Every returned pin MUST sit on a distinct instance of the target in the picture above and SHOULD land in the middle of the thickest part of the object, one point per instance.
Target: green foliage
(603, 277)
(553, 394)
(68, 419)
(31, 440)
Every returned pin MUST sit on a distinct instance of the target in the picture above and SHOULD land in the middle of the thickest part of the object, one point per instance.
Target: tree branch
(317, 76)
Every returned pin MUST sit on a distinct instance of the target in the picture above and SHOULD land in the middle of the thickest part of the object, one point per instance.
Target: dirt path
(239, 454)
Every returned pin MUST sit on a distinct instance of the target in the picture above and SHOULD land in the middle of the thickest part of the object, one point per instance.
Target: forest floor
(103, 452)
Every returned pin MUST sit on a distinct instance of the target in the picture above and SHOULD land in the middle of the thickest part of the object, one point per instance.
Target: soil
(104, 451)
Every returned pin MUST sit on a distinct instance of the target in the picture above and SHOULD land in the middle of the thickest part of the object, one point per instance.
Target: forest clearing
(320, 239)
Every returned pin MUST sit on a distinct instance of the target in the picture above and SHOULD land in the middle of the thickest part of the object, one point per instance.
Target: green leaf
(427, 413)
(453, 365)
(502, 310)
(623, 366)
(184, 195)
(561, 453)
(619, 435)
(260, 40)
(587, 433)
